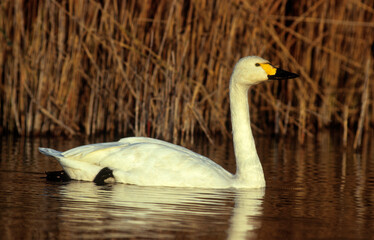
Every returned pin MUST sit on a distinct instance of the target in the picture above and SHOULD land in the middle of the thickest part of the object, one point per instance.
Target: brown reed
(161, 68)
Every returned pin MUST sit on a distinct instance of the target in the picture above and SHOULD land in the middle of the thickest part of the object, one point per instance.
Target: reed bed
(161, 68)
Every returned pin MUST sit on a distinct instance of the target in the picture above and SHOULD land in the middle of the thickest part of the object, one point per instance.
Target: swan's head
(252, 70)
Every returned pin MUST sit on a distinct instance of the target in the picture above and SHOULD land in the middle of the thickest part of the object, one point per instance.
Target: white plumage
(152, 162)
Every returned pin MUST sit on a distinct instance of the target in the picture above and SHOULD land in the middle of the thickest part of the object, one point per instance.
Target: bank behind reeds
(161, 68)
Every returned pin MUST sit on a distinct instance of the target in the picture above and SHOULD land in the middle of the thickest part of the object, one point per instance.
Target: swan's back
(144, 161)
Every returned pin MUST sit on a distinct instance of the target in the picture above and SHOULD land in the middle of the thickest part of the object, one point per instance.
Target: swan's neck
(249, 169)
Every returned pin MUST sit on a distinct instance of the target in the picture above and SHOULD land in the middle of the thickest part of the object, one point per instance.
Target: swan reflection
(120, 210)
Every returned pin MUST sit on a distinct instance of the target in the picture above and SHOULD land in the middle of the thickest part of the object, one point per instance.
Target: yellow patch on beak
(268, 68)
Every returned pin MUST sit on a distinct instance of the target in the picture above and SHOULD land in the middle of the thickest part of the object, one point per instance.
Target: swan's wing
(134, 140)
(123, 150)
(132, 146)
(92, 152)
(162, 154)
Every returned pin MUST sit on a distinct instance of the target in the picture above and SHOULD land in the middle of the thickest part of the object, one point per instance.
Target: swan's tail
(75, 169)
(51, 152)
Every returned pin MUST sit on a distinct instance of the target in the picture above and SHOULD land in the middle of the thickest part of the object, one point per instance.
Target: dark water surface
(318, 190)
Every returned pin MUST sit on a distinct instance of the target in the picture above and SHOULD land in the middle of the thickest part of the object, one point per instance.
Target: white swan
(152, 162)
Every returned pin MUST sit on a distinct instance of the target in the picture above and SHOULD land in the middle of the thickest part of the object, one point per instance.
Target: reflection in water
(147, 210)
(244, 220)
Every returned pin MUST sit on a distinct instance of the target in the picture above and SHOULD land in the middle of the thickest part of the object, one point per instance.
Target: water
(314, 191)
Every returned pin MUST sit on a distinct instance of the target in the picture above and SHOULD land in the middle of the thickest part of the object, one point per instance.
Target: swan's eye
(257, 64)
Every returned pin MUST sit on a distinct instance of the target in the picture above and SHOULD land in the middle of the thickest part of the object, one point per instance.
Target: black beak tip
(282, 74)
(294, 75)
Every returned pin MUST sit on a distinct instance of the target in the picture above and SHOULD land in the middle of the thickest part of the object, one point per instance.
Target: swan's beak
(277, 73)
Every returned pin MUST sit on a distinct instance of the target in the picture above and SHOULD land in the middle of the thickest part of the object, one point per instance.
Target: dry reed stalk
(345, 125)
(364, 104)
(162, 69)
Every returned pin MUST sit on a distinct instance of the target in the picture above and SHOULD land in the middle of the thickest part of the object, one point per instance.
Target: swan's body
(152, 162)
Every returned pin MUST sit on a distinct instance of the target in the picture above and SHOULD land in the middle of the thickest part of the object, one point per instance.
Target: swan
(151, 162)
